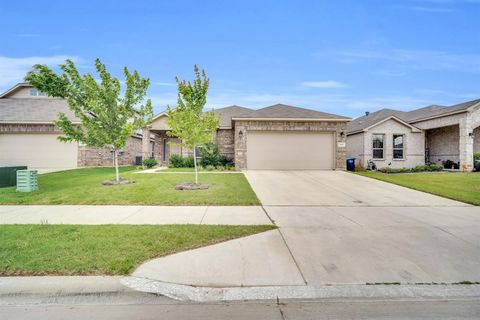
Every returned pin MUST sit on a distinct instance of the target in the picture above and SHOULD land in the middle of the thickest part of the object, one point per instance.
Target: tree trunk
(115, 163)
(195, 163)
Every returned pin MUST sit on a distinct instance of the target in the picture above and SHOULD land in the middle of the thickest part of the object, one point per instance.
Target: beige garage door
(284, 150)
(37, 151)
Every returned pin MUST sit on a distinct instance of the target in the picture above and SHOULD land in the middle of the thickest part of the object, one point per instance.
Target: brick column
(146, 152)
(466, 144)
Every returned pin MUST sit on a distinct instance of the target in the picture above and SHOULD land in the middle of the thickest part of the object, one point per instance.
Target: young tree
(107, 118)
(187, 121)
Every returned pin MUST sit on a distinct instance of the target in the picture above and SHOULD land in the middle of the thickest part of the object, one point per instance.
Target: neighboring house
(29, 137)
(277, 137)
(433, 134)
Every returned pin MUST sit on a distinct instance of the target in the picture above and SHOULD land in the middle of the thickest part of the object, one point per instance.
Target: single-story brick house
(275, 137)
(278, 137)
(29, 137)
(433, 134)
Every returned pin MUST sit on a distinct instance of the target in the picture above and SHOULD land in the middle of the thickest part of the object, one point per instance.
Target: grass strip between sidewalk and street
(102, 249)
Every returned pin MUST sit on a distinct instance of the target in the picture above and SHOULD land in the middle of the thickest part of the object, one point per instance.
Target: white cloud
(393, 102)
(447, 94)
(343, 104)
(413, 59)
(327, 84)
(13, 70)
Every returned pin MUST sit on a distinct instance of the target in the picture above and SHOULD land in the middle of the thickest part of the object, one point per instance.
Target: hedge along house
(29, 137)
(279, 137)
(434, 134)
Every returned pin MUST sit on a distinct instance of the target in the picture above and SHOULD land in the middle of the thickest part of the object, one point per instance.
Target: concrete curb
(61, 284)
(347, 291)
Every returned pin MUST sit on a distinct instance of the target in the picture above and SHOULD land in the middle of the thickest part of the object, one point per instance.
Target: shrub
(188, 162)
(175, 161)
(434, 167)
(149, 163)
(210, 168)
(211, 156)
(476, 156)
(448, 164)
(418, 168)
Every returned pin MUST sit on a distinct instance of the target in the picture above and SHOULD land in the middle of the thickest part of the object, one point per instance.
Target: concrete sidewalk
(90, 214)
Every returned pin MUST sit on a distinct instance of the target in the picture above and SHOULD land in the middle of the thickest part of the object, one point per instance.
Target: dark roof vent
(367, 113)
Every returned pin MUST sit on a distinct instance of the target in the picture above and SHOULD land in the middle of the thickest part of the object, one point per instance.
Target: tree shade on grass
(460, 186)
(83, 186)
(101, 249)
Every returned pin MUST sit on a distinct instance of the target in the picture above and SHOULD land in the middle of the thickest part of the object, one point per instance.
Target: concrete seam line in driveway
(286, 245)
(291, 254)
(330, 292)
(268, 216)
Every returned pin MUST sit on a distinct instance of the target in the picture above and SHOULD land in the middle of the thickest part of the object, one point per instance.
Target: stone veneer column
(146, 152)
(240, 139)
(466, 144)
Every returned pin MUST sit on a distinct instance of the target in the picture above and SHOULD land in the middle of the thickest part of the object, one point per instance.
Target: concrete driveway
(337, 228)
(345, 228)
(334, 188)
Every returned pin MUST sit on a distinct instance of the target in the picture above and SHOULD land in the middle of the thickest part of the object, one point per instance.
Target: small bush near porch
(460, 186)
(83, 186)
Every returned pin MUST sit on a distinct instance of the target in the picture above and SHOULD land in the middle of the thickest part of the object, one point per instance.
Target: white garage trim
(290, 150)
(37, 151)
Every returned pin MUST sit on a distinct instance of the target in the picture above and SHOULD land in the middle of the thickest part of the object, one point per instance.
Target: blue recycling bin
(350, 164)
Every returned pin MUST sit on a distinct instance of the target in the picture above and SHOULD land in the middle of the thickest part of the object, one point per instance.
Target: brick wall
(443, 144)
(325, 126)
(91, 156)
(226, 142)
(28, 128)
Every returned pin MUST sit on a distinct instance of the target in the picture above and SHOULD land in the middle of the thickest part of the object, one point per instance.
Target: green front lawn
(201, 169)
(461, 186)
(83, 186)
(102, 249)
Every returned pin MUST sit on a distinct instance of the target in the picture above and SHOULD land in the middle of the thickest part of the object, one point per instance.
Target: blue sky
(343, 57)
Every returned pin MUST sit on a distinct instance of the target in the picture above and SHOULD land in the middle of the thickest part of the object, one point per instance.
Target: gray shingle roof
(286, 111)
(410, 116)
(374, 117)
(226, 114)
(33, 110)
(281, 111)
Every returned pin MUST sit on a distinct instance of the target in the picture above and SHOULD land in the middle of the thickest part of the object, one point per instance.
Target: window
(377, 146)
(36, 93)
(398, 143)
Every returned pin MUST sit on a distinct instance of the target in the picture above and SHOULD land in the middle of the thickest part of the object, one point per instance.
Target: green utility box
(27, 180)
(8, 176)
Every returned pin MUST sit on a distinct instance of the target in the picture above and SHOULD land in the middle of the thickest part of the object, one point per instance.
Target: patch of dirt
(115, 183)
(191, 186)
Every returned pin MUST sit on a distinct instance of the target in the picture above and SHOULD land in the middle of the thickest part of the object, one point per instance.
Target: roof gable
(359, 124)
(406, 124)
(14, 89)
